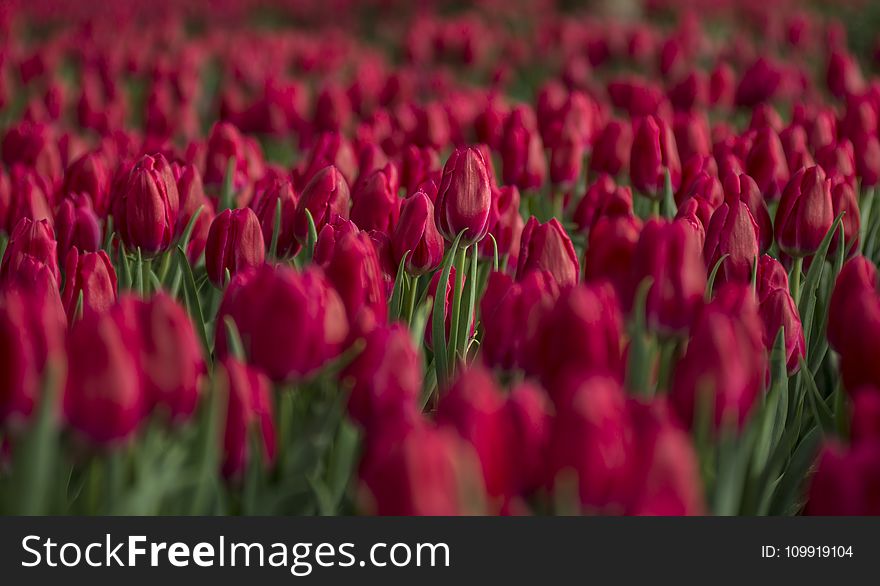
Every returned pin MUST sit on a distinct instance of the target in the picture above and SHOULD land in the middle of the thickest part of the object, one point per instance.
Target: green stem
(796, 279)
(410, 299)
(460, 259)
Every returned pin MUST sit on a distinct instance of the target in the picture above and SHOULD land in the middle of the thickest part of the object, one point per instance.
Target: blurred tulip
(417, 234)
(235, 243)
(547, 247)
(326, 196)
(805, 213)
(91, 275)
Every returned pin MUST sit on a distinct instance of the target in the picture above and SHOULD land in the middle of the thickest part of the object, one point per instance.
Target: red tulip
(778, 310)
(89, 175)
(77, 225)
(653, 153)
(611, 149)
(732, 233)
(610, 251)
(464, 198)
(417, 234)
(91, 275)
(235, 243)
(375, 203)
(326, 196)
(353, 270)
(265, 205)
(805, 213)
(547, 247)
(602, 199)
(30, 240)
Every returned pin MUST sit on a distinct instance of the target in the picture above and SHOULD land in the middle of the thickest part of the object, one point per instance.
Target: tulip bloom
(611, 150)
(732, 232)
(417, 234)
(505, 224)
(89, 175)
(778, 310)
(767, 164)
(547, 247)
(30, 240)
(805, 213)
(653, 153)
(326, 197)
(92, 275)
(77, 225)
(104, 399)
(265, 205)
(375, 204)
(145, 210)
(248, 406)
(603, 199)
(235, 243)
(353, 270)
(668, 253)
(464, 198)
(749, 193)
(291, 323)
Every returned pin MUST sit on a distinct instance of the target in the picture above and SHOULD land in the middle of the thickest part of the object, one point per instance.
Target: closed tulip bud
(778, 310)
(417, 165)
(668, 253)
(668, 480)
(566, 160)
(797, 151)
(198, 240)
(89, 175)
(191, 192)
(611, 150)
(248, 407)
(35, 146)
(610, 251)
(224, 142)
(857, 278)
(845, 200)
(326, 197)
(580, 333)
(547, 247)
(505, 307)
(505, 225)
(653, 153)
(375, 203)
(759, 83)
(330, 150)
(843, 75)
(290, 323)
(522, 151)
(27, 197)
(145, 210)
(767, 164)
(77, 225)
(593, 440)
(699, 178)
(475, 407)
(235, 243)
(329, 235)
(805, 213)
(32, 335)
(845, 481)
(415, 468)
(386, 377)
(171, 356)
(867, 152)
(724, 367)
(750, 194)
(529, 411)
(105, 400)
(91, 275)
(417, 234)
(265, 206)
(354, 271)
(838, 161)
(692, 212)
(691, 135)
(603, 199)
(732, 233)
(464, 198)
(721, 85)
(30, 240)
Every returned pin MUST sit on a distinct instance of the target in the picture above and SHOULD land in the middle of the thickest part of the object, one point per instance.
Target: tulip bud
(653, 153)
(386, 377)
(235, 243)
(248, 406)
(758, 84)
(691, 135)
(474, 407)
(857, 277)
(326, 196)
(30, 240)
(329, 235)
(566, 160)
(610, 251)
(777, 309)
(375, 204)
(593, 439)
(505, 225)
(805, 213)
(414, 468)
(843, 75)
(522, 151)
(290, 323)
(505, 307)
(668, 253)
(417, 165)
(330, 150)
(417, 234)
(724, 367)
(145, 210)
(32, 331)
(546, 247)
(767, 164)
(612, 148)
(265, 205)
(844, 199)
(603, 199)
(225, 142)
(104, 399)
(529, 412)
(353, 269)
(464, 198)
(89, 175)
(28, 197)
(580, 333)
(732, 233)
(77, 225)
(192, 196)
(91, 275)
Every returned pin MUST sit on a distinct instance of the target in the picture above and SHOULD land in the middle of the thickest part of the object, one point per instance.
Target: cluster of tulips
(342, 257)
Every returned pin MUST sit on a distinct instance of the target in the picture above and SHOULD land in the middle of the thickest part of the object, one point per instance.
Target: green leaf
(125, 269)
(438, 317)
(669, 207)
(192, 301)
(227, 192)
(276, 231)
(786, 499)
(495, 264)
(312, 238)
(234, 339)
(638, 371)
(454, 326)
(139, 273)
(824, 416)
(710, 282)
(470, 298)
(394, 304)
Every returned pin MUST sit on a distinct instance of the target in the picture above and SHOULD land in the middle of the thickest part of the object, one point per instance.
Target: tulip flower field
(329, 257)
